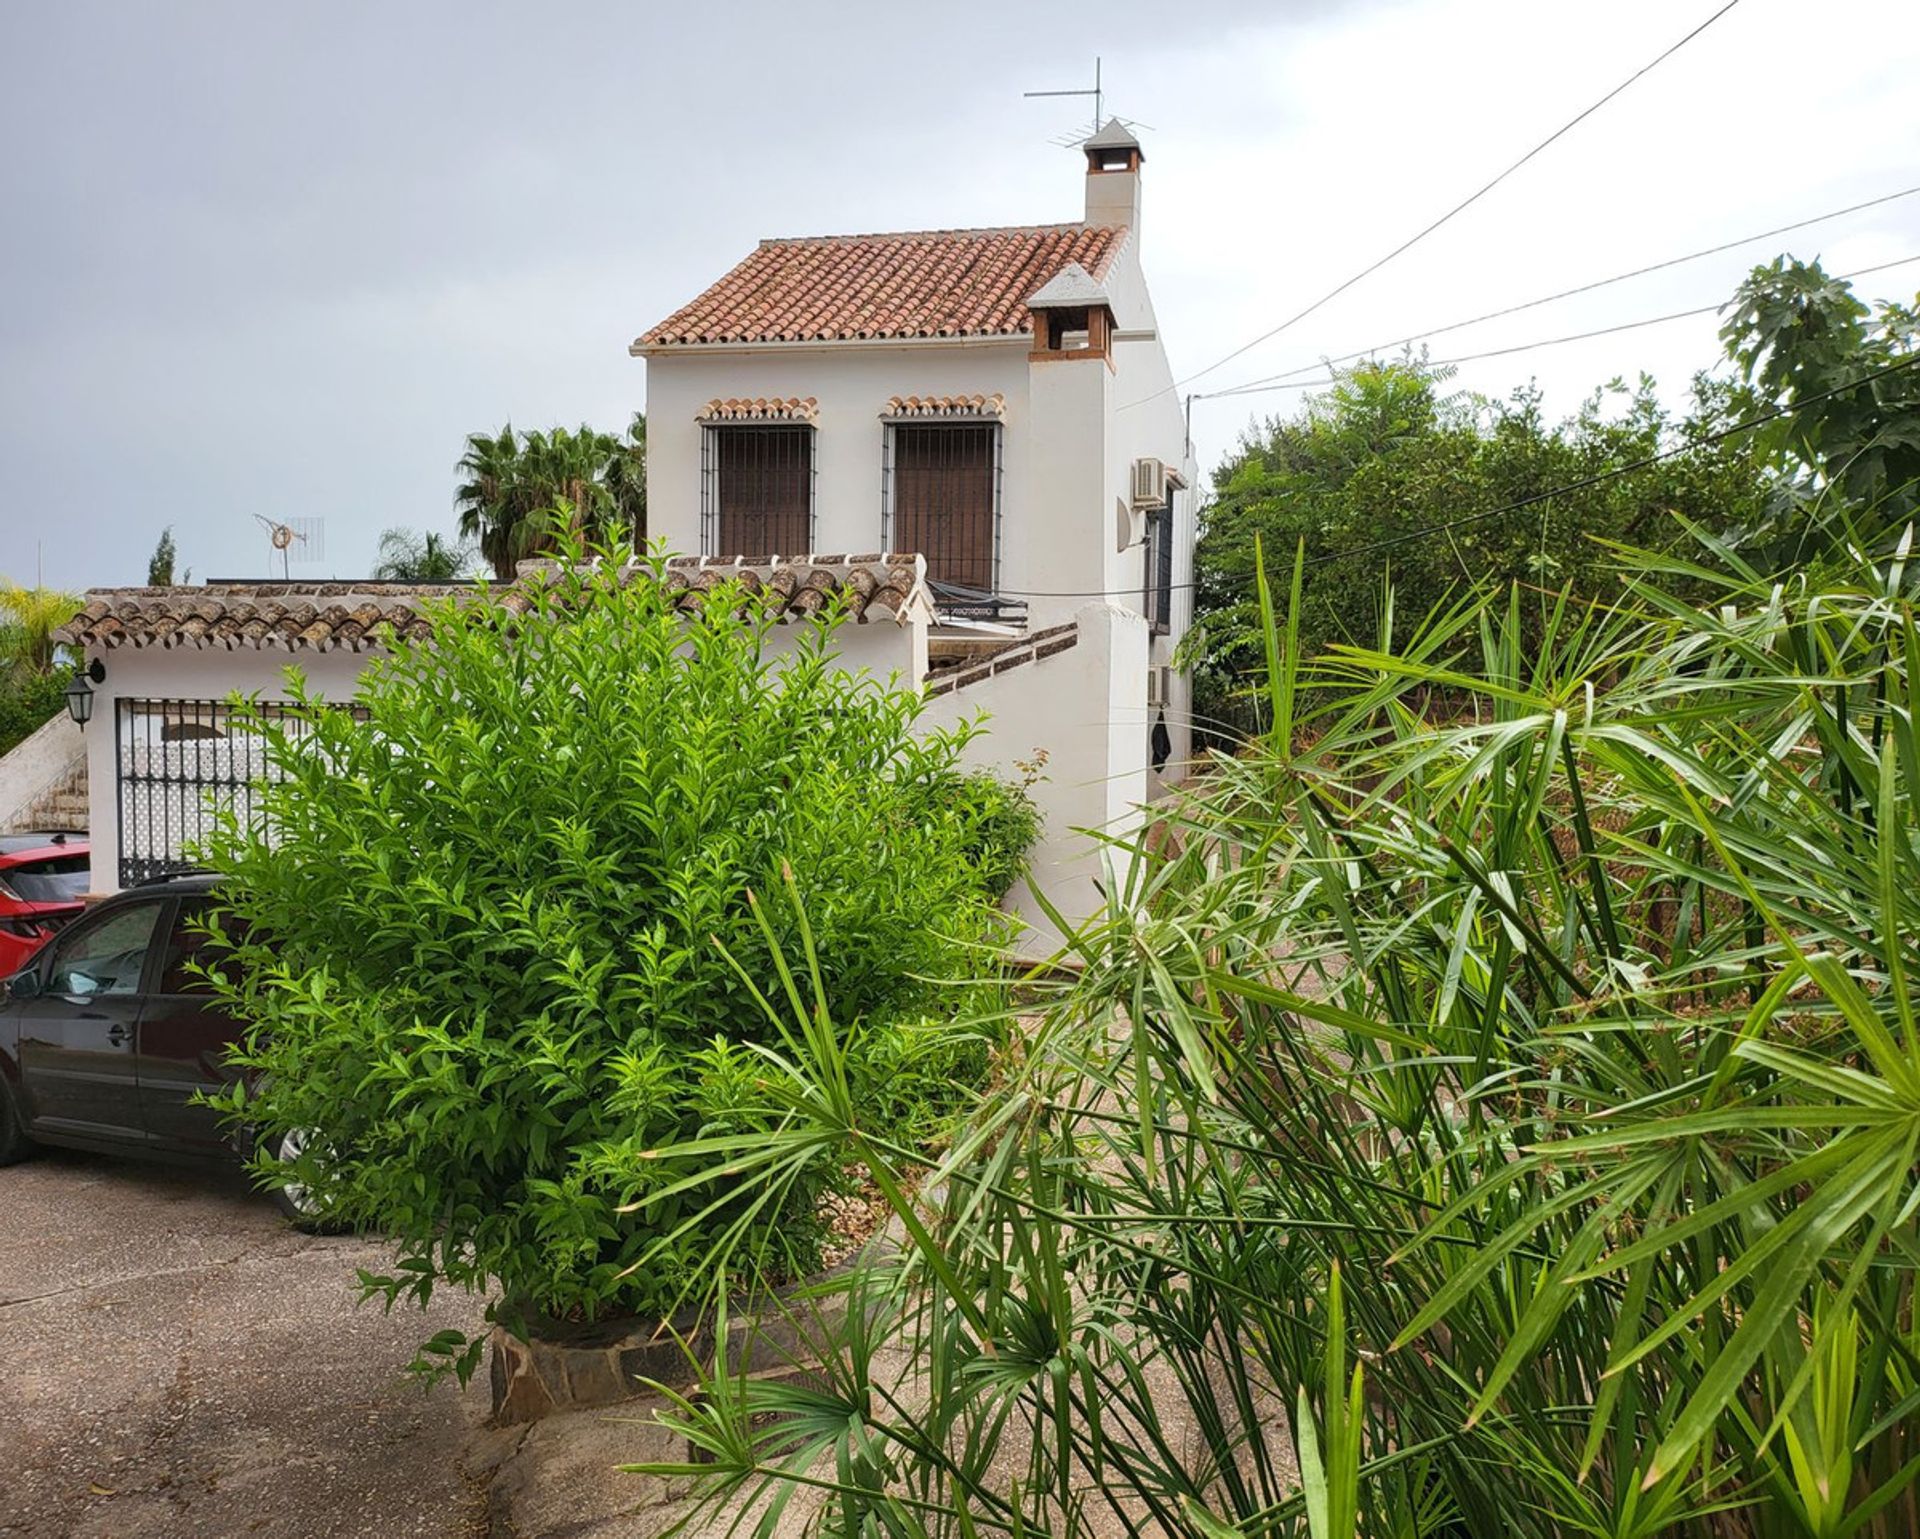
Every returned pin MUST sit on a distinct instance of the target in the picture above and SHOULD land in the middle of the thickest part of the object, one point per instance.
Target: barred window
(757, 491)
(943, 499)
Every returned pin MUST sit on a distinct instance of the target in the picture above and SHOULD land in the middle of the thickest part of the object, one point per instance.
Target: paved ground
(176, 1363)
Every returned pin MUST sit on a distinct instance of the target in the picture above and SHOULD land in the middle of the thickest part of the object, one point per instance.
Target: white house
(994, 404)
(999, 402)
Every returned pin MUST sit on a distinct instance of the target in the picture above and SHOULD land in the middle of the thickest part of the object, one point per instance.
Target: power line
(1584, 288)
(1720, 435)
(1259, 387)
(1459, 208)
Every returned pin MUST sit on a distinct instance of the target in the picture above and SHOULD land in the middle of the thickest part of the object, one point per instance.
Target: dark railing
(179, 762)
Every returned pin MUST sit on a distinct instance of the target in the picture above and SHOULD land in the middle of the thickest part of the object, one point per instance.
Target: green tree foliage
(28, 700)
(511, 483)
(31, 685)
(1849, 452)
(1369, 474)
(1507, 1116)
(160, 563)
(28, 619)
(500, 944)
(408, 555)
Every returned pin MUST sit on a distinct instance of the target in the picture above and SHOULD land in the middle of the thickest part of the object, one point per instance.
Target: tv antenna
(1074, 140)
(282, 537)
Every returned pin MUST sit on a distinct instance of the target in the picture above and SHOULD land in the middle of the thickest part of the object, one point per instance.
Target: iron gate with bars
(179, 763)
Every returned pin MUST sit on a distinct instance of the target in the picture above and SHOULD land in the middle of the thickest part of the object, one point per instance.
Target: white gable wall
(1148, 418)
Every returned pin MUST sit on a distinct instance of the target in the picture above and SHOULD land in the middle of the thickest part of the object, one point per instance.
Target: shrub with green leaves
(500, 950)
(28, 701)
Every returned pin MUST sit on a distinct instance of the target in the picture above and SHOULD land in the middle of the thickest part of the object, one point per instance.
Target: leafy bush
(1364, 473)
(998, 823)
(502, 947)
(1509, 1122)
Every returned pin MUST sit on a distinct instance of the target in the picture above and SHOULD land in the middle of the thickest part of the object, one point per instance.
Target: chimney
(1113, 176)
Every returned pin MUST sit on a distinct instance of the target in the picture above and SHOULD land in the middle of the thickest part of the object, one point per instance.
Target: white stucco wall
(852, 383)
(1085, 708)
(34, 765)
(883, 648)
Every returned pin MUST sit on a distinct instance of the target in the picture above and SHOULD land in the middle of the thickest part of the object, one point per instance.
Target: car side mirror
(23, 985)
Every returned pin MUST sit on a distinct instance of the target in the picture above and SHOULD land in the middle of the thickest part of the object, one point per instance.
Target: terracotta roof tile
(323, 617)
(943, 680)
(330, 617)
(873, 587)
(935, 283)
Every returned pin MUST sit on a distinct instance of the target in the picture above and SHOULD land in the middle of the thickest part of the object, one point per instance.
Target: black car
(107, 1041)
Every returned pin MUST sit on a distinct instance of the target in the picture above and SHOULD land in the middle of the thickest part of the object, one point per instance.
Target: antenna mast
(1094, 93)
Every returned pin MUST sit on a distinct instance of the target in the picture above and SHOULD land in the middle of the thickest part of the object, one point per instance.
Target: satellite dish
(1123, 534)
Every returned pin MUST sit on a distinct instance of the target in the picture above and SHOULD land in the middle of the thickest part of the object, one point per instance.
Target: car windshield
(62, 879)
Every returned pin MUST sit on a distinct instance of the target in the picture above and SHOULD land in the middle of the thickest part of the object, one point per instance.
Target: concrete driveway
(176, 1361)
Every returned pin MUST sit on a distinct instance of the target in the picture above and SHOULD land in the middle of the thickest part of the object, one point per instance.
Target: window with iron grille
(1159, 564)
(943, 500)
(756, 490)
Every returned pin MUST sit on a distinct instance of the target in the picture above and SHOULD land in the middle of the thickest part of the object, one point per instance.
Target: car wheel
(14, 1143)
(299, 1202)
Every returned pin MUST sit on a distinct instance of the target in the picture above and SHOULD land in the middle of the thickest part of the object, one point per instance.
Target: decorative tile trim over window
(916, 407)
(792, 408)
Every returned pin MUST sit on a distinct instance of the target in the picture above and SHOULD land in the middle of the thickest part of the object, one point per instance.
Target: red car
(43, 878)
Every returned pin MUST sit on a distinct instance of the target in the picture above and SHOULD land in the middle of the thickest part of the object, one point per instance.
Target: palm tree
(407, 556)
(491, 473)
(626, 480)
(513, 485)
(32, 615)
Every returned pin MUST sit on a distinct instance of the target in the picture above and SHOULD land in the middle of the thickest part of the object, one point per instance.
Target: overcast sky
(280, 260)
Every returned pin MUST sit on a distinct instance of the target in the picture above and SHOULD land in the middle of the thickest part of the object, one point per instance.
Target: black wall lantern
(80, 692)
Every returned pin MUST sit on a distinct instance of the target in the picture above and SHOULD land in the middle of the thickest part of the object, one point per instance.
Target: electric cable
(1583, 288)
(1459, 208)
(1261, 387)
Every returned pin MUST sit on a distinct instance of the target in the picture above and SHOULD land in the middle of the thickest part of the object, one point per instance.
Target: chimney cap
(1072, 288)
(1114, 141)
(1114, 135)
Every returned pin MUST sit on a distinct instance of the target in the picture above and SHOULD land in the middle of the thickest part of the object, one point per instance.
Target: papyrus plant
(1532, 1027)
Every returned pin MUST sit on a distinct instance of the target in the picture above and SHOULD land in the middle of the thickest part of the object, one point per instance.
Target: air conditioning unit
(1159, 687)
(1149, 483)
